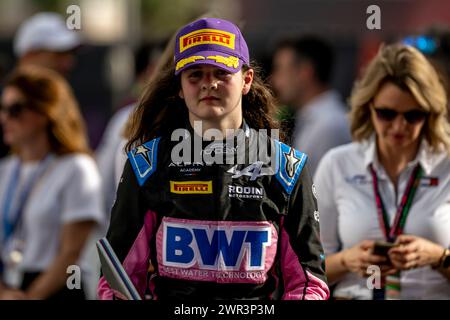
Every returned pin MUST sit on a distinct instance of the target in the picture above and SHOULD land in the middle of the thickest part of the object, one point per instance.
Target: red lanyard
(391, 233)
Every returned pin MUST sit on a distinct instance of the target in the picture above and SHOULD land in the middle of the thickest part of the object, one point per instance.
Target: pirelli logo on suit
(191, 187)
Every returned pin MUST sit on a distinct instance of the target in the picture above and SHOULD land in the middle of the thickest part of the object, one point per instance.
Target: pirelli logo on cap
(191, 187)
(207, 36)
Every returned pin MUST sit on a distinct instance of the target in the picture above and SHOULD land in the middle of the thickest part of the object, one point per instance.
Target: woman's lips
(209, 98)
(210, 101)
(398, 136)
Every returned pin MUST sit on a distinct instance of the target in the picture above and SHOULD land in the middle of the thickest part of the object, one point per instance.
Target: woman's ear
(248, 80)
(180, 94)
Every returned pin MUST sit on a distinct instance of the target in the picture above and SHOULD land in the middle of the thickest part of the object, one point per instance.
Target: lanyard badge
(391, 232)
(12, 218)
(392, 288)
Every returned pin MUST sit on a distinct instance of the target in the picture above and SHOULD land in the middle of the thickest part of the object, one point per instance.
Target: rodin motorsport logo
(235, 146)
(243, 192)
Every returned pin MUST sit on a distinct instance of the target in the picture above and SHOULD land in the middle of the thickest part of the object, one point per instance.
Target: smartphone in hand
(381, 248)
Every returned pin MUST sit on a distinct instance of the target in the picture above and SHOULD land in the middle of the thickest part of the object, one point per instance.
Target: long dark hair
(161, 110)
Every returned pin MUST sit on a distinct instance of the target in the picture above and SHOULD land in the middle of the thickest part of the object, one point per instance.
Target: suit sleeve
(131, 228)
(302, 258)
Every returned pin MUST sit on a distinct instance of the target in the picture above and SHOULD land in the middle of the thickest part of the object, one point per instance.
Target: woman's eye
(194, 75)
(222, 73)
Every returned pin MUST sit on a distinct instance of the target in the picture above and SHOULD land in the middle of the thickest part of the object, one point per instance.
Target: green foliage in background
(48, 5)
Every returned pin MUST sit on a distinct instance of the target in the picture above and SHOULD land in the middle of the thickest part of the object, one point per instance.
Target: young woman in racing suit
(240, 228)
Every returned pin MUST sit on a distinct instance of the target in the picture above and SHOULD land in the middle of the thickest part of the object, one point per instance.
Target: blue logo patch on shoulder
(143, 160)
(290, 165)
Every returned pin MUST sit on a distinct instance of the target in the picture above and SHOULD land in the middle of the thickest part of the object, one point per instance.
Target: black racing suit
(218, 231)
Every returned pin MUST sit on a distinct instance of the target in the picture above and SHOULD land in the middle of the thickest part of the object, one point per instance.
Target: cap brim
(58, 43)
(218, 59)
(65, 42)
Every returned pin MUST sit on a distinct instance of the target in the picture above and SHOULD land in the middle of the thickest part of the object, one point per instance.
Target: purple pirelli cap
(211, 41)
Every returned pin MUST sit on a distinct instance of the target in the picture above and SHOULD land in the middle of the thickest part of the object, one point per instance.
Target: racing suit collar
(244, 126)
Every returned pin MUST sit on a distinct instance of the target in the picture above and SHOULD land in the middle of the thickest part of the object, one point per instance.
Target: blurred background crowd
(310, 52)
(113, 31)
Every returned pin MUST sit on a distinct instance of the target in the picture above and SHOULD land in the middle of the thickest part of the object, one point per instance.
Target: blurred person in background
(391, 184)
(434, 43)
(301, 75)
(3, 147)
(50, 190)
(113, 141)
(44, 40)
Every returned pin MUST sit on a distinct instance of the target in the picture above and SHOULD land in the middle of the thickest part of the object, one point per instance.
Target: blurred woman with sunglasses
(392, 184)
(50, 198)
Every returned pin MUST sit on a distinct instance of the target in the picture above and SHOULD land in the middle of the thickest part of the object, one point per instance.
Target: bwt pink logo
(207, 250)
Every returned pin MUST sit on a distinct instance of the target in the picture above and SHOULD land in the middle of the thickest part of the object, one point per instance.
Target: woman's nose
(213, 85)
(209, 82)
(399, 122)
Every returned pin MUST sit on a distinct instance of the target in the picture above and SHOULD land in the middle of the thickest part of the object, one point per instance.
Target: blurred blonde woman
(50, 198)
(392, 184)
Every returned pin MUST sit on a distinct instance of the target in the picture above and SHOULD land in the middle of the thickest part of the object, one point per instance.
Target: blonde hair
(48, 93)
(407, 68)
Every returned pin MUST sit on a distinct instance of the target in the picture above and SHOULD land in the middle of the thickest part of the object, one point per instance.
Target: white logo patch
(314, 191)
(316, 216)
(291, 162)
(254, 170)
(245, 192)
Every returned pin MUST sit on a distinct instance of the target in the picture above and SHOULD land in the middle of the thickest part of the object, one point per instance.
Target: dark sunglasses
(412, 117)
(14, 110)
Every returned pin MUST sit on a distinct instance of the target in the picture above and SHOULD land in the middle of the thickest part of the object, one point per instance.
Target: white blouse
(348, 212)
(69, 190)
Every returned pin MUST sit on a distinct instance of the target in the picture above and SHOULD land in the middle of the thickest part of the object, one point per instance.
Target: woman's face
(397, 117)
(20, 125)
(211, 93)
